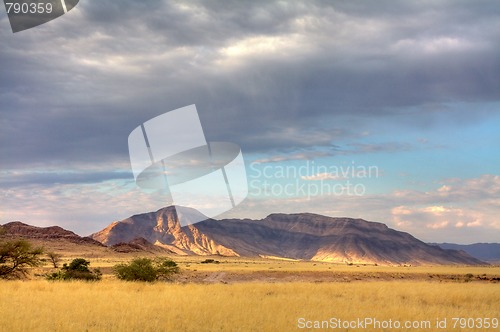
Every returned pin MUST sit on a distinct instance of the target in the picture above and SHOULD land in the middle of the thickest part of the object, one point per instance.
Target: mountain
(303, 236)
(19, 229)
(488, 252)
(162, 228)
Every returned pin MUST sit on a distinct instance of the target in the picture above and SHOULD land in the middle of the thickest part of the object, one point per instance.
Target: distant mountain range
(303, 236)
(488, 252)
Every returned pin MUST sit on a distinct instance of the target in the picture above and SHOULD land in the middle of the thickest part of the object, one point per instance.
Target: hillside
(55, 239)
(19, 229)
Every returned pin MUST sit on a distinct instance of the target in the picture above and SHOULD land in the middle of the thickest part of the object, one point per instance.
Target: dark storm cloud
(266, 75)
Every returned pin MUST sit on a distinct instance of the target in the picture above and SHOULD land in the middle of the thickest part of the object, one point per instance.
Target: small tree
(16, 256)
(55, 258)
(145, 269)
(77, 269)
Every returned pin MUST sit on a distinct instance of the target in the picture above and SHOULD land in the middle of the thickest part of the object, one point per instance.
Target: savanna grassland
(240, 294)
(112, 305)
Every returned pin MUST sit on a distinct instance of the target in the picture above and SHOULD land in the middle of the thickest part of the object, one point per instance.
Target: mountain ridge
(299, 236)
(304, 236)
(488, 252)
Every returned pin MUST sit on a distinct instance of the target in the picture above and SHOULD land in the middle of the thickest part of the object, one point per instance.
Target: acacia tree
(16, 256)
(54, 258)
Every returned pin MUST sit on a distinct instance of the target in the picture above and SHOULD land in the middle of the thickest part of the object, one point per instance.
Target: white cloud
(435, 45)
(438, 225)
(63, 204)
(307, 155)
(321, 177)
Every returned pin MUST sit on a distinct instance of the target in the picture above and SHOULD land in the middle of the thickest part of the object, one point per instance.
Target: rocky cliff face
(297, 236)
(163, 229)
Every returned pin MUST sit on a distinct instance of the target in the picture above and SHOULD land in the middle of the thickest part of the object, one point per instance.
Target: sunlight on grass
(120, 306)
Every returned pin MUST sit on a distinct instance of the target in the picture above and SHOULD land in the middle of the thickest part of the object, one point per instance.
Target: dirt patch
(323, 276)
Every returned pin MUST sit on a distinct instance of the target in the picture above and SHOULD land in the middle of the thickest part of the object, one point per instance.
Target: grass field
(111, 305)
(241, 294)
(250, 294)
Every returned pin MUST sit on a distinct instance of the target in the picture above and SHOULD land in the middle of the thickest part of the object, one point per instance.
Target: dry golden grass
(112, 305)
(261, 295)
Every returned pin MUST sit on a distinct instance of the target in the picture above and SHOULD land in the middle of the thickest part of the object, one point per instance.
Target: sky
(387, 111)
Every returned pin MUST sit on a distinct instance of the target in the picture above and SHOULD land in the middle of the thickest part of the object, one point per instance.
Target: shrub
(77, 269)
(210, 261)
(141, 269)
(145, 269)
(165, 268)
(468, 277)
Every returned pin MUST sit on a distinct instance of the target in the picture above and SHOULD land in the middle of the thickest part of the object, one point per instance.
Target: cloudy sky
(316, 93)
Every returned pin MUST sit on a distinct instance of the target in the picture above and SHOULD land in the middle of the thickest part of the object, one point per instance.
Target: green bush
(145, 269)
(210, 261)
(78, 269)
(165, 268)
